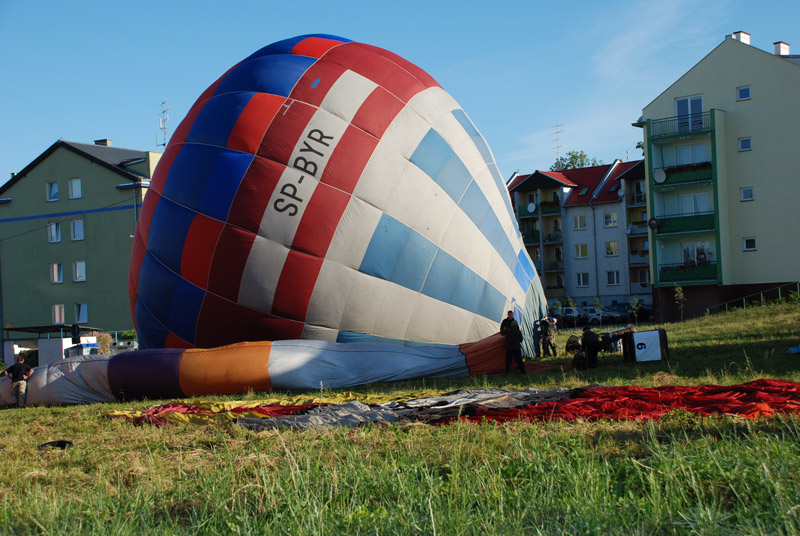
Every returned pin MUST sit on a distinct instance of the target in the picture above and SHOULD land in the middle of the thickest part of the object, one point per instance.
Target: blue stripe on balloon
(452, 282)
(214, 123)
(187, 301)
(275, 74)
(437, 159)
(150, 332)
(223, 183)
(403, 256)
(352, 336)
(154, 303)
(486, 153)
(286, 46)
(167, 246)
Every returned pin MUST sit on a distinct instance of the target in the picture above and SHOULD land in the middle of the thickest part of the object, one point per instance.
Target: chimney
(105, 142)
(741, 36)
(781, 48)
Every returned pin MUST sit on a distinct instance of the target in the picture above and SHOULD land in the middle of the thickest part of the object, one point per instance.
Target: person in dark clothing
(548, 336)
(591, 346)
(510, 330)
(19, 374)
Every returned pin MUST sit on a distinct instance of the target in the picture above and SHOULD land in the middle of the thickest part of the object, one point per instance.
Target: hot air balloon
(331, 190)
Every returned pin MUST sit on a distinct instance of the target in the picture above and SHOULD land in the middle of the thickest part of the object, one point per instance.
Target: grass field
(682, 474)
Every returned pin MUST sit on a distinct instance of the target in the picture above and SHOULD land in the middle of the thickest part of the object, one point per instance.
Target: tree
(636, 305)
(574, 160)
(680, 299)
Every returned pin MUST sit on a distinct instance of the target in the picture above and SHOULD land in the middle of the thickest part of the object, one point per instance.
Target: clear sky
(84, 70)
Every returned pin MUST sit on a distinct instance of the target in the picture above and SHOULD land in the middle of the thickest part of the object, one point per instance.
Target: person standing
(591, 346)
(19, 374)
(513, 343)
(548, 336)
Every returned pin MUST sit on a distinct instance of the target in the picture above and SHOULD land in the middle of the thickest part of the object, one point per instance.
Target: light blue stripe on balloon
(524, 272)
(438, 160)
(480, 143)
(401, 255)
(352, 336)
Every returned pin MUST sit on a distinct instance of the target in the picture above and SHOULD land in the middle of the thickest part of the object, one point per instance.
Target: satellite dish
(628, 230)
(659, 175)
(621, 193)
(531, 207)
(652, 223)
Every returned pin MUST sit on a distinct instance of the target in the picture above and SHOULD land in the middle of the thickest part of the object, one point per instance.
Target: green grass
(682, 474)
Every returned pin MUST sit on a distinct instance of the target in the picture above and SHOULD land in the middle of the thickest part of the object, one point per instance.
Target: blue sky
(84, 70)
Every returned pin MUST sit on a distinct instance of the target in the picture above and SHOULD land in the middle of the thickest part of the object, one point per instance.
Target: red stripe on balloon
(377, 112)
(173, 341)
(230, 258)
(348, 160)
(254, 193)
(320, 219)
(138, 252)
(252, 123)
(285, 131)
(222, 321)
(198, 249)
(162, 169)
(315, 47)
(316, 82)
(293, 292)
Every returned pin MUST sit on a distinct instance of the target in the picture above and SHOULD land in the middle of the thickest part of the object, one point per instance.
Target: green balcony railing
(550, 207)
(678, 273)
(680, 125)
(686, 223)
(530, 237)
(523, 210)
(685, 174)
(554, 265)
(553, 238)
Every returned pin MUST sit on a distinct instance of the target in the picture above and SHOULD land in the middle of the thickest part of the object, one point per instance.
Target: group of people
(583, 349)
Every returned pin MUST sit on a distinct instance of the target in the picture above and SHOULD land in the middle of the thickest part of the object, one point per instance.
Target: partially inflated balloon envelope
(331, 190)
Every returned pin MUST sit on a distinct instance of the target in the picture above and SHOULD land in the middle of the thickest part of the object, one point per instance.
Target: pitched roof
(113, 158)
(600, 184)
(539, 180)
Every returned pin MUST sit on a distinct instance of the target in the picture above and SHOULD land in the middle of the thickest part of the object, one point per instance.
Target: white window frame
(745, 144)
(79, 271)
(54, 232)
(73, 226)
(689, 122)
(614, 245)
(582, 248)
(745, 247)
(57, 313)
(696, 153)
(56, 273)
(81, 308)
(739, 91)
(697, 201)
(610, 219)
(582, 279)
(51, 191)
(72, 190)
(579, 223)
(612, 275)
(742, 192)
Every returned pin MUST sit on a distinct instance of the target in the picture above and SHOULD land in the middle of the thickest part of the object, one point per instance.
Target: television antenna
(162, 123)
(558, 130)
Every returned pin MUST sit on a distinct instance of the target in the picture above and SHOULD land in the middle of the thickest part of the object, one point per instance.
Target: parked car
(616, 314)
(591, 315)
(623, 312)
(570, 317)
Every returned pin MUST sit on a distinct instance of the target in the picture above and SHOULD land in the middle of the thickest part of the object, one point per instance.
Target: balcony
(530, 237)
(550, 207)
(523, 211)
(553, 238)
(684, 174)
(686, 223)
(637, 199)
(638, 228)
(639, 259)
(680, 126)
(554, 266)
(679, 273)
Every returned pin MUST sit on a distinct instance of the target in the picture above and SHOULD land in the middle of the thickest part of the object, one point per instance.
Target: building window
(749, 244)
(79, 271)
(694, 203)
(556, 225)
(583, 279)
(744, 144)
(610, 219)
(579, 222)
(75, 189)
(746, 194)
(613, 277)
(644, 275)
(57, 311)
(532, 198)
(691, 154)
(56, 274)
(81, 313)
(612, 249)
(51, 191)
(77, 229)
(743, 93)
(696, 252)
(690, 113)
(53, 232)
(581, 251)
